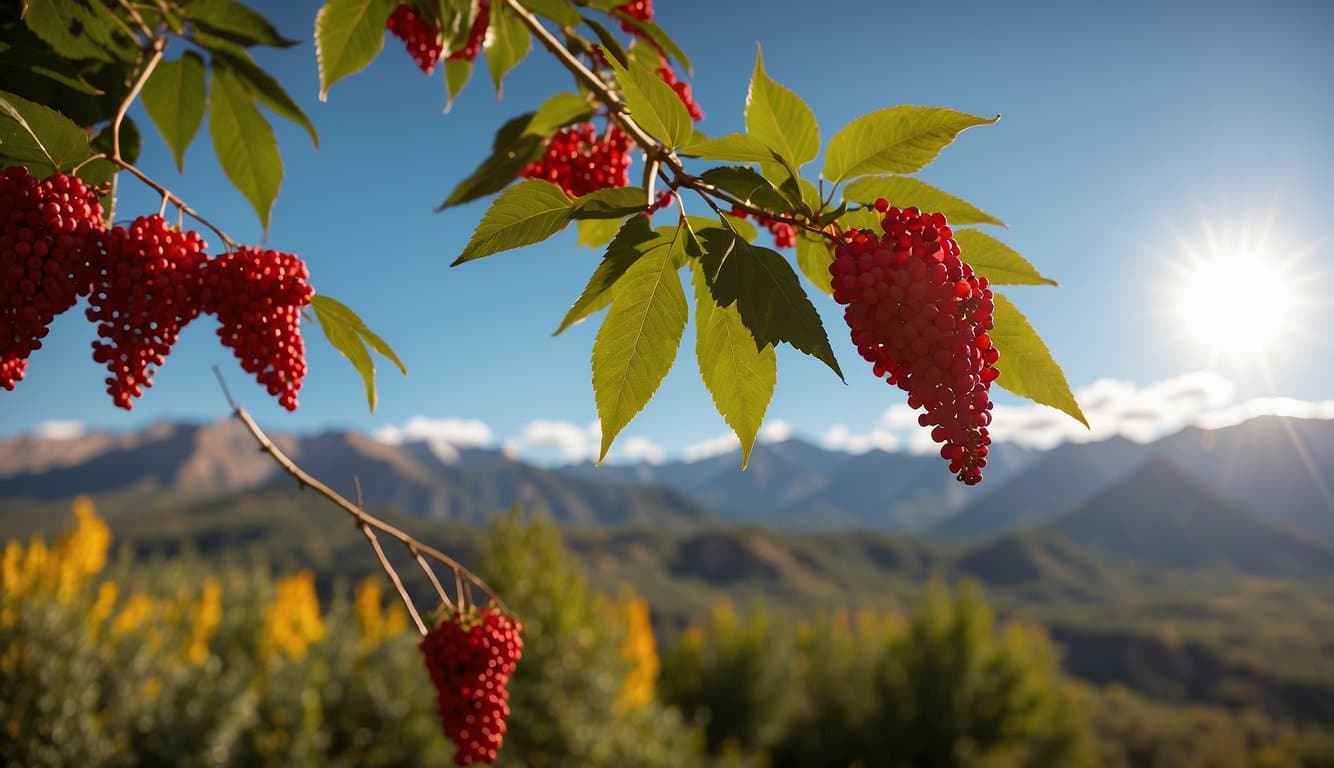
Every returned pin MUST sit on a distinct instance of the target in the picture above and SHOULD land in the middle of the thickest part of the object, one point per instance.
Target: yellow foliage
(104, 605)
(292, 622)
(378, 623)
(138, 610)
(61, 570)
(205, 616)
(640, 651)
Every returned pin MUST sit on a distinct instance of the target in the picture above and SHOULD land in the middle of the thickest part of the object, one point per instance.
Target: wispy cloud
(60, 430)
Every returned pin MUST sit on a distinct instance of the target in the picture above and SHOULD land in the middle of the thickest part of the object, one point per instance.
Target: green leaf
(611, 203)
(506, 45)
(130, 140)
(660, 39)
(456, 18)
(736, 147)
(905, 192)
(634, 239)
(861, 218)
(557, 112)
(814, 257)
(596, 233)
(235, 22)
(749, 186)
(1026, 365)
(526, 213)
(610, 45)
(39, 137)
(174, 99)
(654, 105)
(559, 11)
(767, 294)
(76, 30)
(899, 139)
(348, 36)
(457, 73)
(778, 118)
(998, 262)
(25, 54)
(739, 375)
(270, 93)
(349, 335)
(511, 151)
(637, 343)
(244, 143)
(727, 223)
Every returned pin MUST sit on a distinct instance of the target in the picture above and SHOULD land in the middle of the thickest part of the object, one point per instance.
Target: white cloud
(60, 430)
(840, 438)
(637, 449)
(1266, 406)
(706, 449)
(462, 433)
(573, 443)
(774, 431)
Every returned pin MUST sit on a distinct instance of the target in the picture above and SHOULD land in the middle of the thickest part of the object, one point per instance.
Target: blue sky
(1128, 133)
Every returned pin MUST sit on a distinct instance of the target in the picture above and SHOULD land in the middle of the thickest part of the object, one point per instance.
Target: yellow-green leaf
(1026, 365)
(348, 36)
(899, 139)
(349, 335)
(905, 192)
(654, 105)
(174, 99)
(779, 118)
(526, 213)
(244, 143)
(998, 262)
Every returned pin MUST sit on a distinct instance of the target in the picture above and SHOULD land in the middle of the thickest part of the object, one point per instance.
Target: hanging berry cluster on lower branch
(921, 317)
(144, 282)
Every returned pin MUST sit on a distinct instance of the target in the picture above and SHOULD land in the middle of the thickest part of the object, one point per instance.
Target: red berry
(145, 292)
(50, 237)
(920, 316)
(785, 234)
(470, 658)
(257, 296)
(419, 35)
(579, 161)
(476, 35)
(636, 9)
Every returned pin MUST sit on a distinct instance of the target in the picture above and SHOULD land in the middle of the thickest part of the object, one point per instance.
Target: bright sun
(1239, 296)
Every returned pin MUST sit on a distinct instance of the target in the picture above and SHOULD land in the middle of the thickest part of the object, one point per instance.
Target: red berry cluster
(636, 9)
(145, 291)
(681, 87)
(579, 161)
(50, 235)
(785, 235)
(419, 35)
(920, 316)
(471, 657)
(476, 35)
(257, 296)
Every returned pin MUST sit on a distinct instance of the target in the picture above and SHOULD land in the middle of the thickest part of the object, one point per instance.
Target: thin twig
(384, 562)
(461, 574)
(430, 574)
(158, 45)
(173, 198)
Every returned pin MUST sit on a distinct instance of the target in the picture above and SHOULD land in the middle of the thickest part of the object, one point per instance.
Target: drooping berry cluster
(146, 289)
(579, 161)
(257, 296)
(471, 657)
(636, 9)
(476, 35)
(920, 315)
(50, 235)
(681, 87)
(785, 235)
(420, 36)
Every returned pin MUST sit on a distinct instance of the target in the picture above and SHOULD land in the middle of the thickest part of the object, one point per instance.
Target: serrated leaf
(1026, 365)
(506, 44)
(238, 23)
(998, 262)
(659, 38)
(779, 118)
(174, 99)
(899, 139)
(634, 239)
(39, 137)
(749, 186)
(637, 343)
(559, 11)
(905, 192)
(457, 72)
(767, 294)
(511, 151)
(739, 375)
(654, 105)
(75, 30)
(611, 203)
(596, 233)
(348, 36)
(735, 147)
(349, 335)
(814, 257)
(244, 143)
(264, 87)
(610, 45)
(526, 213)
(556, 112)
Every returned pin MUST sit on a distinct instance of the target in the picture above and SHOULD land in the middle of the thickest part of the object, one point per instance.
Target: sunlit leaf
(997, 261)
(814, 256)
(1026, 365)
(611, 203)
(349, 335)
(244, 143)
(899, 139)
(174, 98)
(736, 147)
(39, 137)
(507, 44)
(906, 191)
(267, 90)
(556, 112)
(778, 118)
(526, 213)
(654, 105)
(348, 36)
(634, 239)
